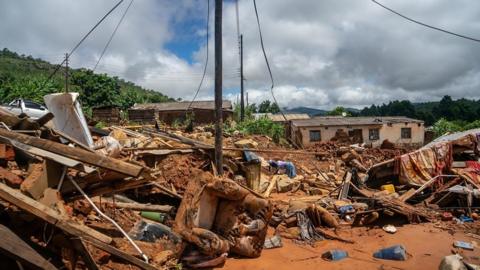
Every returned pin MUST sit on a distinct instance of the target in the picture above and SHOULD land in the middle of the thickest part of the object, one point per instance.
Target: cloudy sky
(323, 53)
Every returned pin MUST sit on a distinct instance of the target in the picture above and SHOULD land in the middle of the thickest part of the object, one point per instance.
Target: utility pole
(218, 88)
(66, 72)
(242, 104)
(247, 98)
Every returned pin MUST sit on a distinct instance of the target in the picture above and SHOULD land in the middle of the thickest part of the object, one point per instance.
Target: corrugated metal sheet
(280, 118)
(352, 121)
(292, 116)
(453, 136)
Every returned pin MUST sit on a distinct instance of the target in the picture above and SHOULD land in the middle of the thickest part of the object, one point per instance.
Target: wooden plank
(270, 187)
(407, 194)
(87, 257)
(114, 187)
(135, 206)
(49, 215)
(73, 153)
(343, 193)
(426, 185)
(14, 247)
(120, 254)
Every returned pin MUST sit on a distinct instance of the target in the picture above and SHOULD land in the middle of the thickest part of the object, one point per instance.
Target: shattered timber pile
(148, 198)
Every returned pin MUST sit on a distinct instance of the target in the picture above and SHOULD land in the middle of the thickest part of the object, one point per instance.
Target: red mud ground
(427, 245)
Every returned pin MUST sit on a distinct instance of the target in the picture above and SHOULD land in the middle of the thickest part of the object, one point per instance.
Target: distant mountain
(309, 111)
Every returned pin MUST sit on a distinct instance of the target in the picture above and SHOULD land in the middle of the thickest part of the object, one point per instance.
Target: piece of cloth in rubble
(472, 170)
(307, 230)
(471, 173)
(417, 167)
(287, 165)
(444, 154)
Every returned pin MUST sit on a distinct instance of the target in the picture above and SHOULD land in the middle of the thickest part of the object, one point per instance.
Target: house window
(315, 136)
(406, 133)
(374, 134)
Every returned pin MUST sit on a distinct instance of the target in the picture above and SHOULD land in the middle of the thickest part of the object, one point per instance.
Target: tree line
(26, 77)
(463, 111)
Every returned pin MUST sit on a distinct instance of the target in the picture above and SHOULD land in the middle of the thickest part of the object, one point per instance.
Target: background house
(168, 112)
(397, 129)
(107, 114)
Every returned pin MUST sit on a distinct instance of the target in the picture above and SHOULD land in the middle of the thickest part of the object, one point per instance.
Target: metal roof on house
(289, 116)
(352, 121)
(182, 105)
(280, 118)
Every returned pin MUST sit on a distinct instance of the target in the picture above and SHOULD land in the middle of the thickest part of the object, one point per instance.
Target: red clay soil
(427, 245)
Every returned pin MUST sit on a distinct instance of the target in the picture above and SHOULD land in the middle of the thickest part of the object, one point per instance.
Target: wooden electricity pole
(218, 88)
(242, 104)
(66, 73)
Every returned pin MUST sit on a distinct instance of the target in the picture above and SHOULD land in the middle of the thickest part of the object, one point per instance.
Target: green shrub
(444, 126)
(262, 126)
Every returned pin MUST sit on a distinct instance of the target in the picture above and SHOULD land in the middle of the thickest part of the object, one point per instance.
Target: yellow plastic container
(389, 187)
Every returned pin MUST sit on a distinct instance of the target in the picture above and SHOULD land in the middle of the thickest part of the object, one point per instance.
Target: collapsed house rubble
(147, 197)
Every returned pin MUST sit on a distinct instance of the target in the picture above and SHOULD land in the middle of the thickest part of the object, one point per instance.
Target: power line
(81, 41)
(266, 59)
(113, 34)
(206, 60)
(426, 25)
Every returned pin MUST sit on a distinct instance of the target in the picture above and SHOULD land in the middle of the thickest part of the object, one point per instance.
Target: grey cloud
(323, 53)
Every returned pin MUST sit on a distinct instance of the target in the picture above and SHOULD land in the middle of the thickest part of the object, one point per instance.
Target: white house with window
(396, 129)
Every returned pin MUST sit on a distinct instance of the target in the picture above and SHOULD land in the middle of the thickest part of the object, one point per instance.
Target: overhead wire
(424, 24)
(113, 34)
(206, 60)
(266, 59)
(80, 42)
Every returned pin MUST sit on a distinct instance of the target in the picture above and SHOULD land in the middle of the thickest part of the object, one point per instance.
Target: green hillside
(26, 77)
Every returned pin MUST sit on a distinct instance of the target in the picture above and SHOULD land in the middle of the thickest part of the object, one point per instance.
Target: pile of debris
(148, 196)
(78, 197)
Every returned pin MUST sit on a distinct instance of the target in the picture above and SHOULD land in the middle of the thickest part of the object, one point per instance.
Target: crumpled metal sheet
(69, 117)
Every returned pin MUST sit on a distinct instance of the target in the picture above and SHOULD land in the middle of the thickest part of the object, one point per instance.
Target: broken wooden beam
(73, 153)
(135, 206)
(273, 183)
(81, 248)
(120, 254)
(110, 188)
(426, 185)
(14, 247)
(49, 215)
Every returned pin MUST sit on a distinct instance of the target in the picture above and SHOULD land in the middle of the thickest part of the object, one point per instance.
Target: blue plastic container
(335, 255)
(397, 253)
